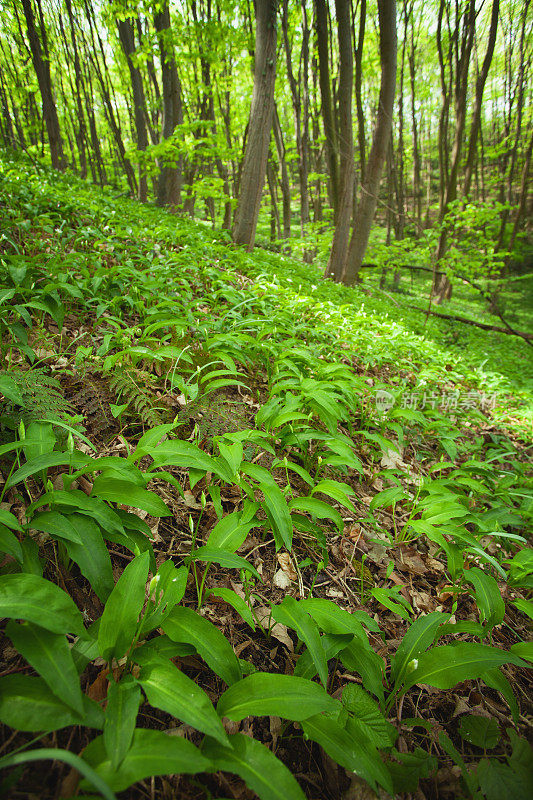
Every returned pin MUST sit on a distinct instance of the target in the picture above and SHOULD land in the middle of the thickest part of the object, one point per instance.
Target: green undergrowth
(173, 405)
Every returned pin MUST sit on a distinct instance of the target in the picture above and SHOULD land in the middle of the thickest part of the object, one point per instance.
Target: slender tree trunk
(42, 70)
(341, 234)
(170, 177)
(480, 86)
(321, 17)
(285, 185)
(358, 98)
(417, 185)
(260, 124)
(125, 33)
(367, 204)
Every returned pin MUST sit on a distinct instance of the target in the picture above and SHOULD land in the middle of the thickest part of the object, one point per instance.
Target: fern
(39, 396)
(137, 387)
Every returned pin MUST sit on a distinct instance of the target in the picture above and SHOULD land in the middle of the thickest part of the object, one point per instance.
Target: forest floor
(120, 318)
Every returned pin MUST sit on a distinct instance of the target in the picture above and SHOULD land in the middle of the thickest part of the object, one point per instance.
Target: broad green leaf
(92, 557)
(483, 732)
(339, 491)
(186, 625)
(367, 716)
(331, 643)
(40, 439)
(10, 544)
(152, 753)
(359, 657)
(225, 559)
(118, 491)
(317, 508)
(34, 599)
(229, 533)
(488, 596)
(186, 455)
(9, 520)
(265, 694)
(167, 688)
(332, 619)
(46, 460)
(393, 600)
(27, 704)
(275, 505)
(525, 606)
(75, 499)
(259, 768)
(291, 614)
(10, 390)
(420, 635)
(119, 619)
(241, 606)
(49, 654)
(448, 665)
(60, 526)
(123, 699)
(523, 650)
(349, 750)
(500, 782)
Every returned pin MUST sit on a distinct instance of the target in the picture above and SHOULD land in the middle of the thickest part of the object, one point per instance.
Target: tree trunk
(260, 124)
(367, 204)
(125, 33)
(170, 177)
(42, 70)
(358, 97)
(325, 92)
(341, 234)
(285, 185)
(480, 86)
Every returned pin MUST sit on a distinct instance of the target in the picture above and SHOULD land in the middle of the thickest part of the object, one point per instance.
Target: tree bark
(260, 124)
(341, 234)
(480, 86)
(321, 18)
(170, 177)
(125, 32)
(285, 185)
(367, 205)
(42, 70)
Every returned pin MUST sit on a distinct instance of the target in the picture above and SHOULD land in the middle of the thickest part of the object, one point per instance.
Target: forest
(266, 399)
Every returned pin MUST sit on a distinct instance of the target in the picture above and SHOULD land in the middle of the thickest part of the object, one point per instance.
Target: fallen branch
(509, 331)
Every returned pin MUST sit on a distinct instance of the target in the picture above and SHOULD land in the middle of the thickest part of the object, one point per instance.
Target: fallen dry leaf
(285, 562)
(277, 630)
(281, 580)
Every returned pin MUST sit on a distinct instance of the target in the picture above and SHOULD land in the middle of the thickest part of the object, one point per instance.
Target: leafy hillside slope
(240, 504)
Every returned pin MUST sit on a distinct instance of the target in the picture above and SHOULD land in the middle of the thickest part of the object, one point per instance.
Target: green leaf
(170, 584)
(27, 704)
(60, 526)
(229, 533)
(118, 491)
(332, 644)
(346, 749)
(241, 606)
(359, 657)
(481, 731)
(40, 440)
(119, 619)
(123, 699)
(45, 461)
(291, 614)
(340, 492)
(185, 625)
(37, 600)
(9, 520)
(317, 508)
(176, 453)
(500, 782)
(368, 717)
(75, 499)
(262, 772)
(265, 694)
(225, 559)
(525, 606)
(152, 753)
(10, 544)
(420, 635)
(446, 666)
(49, 654)
(167, 688)
(332, 619)
(92, 556)
(275, 505)
(523, 650)
(488, 596)
(10, 390)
